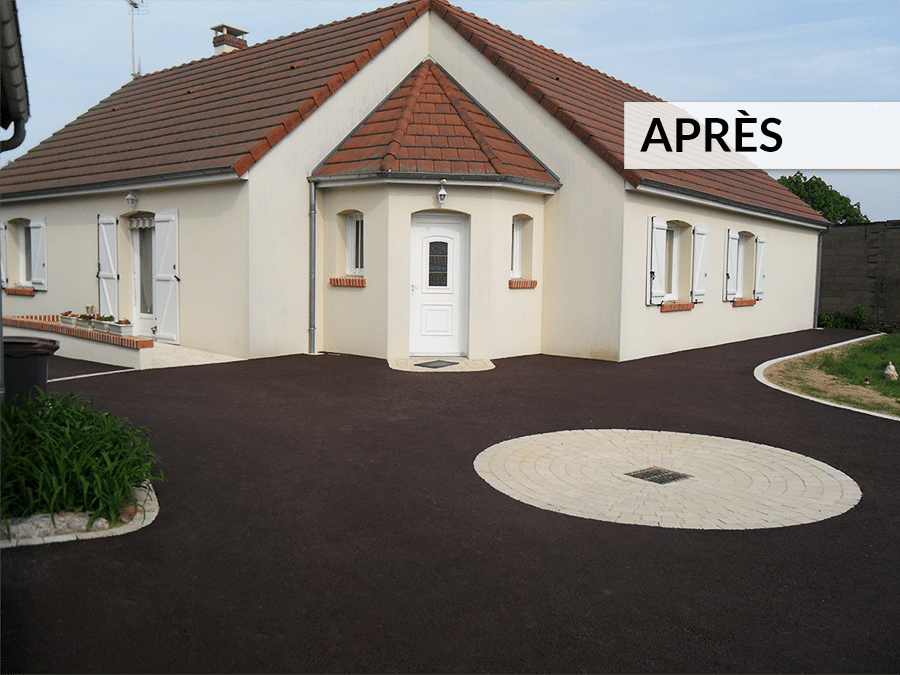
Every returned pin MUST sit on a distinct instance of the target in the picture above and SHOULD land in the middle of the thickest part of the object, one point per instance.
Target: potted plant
(85, 321)
(67, 318)
(104, 322)
(121, 327)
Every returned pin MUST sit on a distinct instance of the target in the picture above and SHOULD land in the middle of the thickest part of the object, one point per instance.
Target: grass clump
(60, 453)
(859, 320)
(865, 359)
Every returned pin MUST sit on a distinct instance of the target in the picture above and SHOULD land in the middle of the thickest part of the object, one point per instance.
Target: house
(410, 181)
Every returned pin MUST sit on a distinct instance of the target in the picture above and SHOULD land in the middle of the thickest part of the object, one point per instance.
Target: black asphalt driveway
(322, 514)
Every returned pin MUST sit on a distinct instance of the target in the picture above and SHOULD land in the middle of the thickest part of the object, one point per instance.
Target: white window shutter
(38, 254)
(656, 261)
(165, 275)
(107, 269)
(731, 264)
(759, 268)
(699, 264)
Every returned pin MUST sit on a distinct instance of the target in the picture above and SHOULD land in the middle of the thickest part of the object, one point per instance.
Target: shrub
(61, 453)
(837, 319)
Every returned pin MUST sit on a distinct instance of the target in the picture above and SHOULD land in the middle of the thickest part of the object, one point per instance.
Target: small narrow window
(515, 263)
(355, 245)
(669, 259)
(26, 249)
(437, 264)
(145, 256)
(28, 259)
(744, 266)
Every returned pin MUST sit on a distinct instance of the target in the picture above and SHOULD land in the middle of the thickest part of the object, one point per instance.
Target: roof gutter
(650, 186)
(477, 180)
(139, 183)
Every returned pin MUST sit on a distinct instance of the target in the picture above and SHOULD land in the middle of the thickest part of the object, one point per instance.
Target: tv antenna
(135, 7)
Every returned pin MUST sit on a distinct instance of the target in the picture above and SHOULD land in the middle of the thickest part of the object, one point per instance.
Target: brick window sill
(673, 306)
(743, 302)
(351, 282)
(523, 283)
(19, 290)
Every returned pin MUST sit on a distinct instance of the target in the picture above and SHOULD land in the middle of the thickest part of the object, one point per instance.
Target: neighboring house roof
(222, 114)
(430, 126)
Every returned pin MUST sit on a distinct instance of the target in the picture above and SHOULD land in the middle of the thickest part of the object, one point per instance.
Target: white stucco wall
(212, 234)
(374, 321)
(583, 238)
(787, 305)
(279, 200)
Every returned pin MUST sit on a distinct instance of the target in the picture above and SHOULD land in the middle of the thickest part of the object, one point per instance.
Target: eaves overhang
(183, 179)
(417, 178)
(650, 186)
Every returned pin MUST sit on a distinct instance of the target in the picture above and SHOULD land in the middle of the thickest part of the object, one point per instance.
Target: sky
(77, 52)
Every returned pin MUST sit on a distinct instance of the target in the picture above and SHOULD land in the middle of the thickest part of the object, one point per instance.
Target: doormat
(437, 364)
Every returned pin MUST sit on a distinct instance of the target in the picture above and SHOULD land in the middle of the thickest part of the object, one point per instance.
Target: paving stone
(733, 484)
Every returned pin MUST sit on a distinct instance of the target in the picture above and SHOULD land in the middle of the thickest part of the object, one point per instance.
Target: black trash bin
(25, 365)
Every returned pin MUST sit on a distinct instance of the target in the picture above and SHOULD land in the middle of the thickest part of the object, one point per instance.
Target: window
(676, 262)
(515, 264)
(24, 253)
(520, 248)
(744, 266)
(437, 264)
(355, 245)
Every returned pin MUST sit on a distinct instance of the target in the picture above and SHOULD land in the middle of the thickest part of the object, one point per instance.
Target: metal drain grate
(656, 475)
(437, 364)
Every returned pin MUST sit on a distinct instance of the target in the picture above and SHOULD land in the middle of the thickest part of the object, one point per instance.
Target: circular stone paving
(679, 480)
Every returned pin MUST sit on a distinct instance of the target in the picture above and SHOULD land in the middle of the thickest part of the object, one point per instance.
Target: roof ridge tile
(474, 128)
(390, 159)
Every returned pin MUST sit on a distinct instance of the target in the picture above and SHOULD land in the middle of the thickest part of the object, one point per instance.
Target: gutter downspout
(819, 276)
(312, 266)
(16, 139)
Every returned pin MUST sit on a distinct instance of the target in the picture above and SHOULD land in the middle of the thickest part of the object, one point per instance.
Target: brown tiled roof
(431, 126)
(217, 115)
(591, 105)
(220, 115)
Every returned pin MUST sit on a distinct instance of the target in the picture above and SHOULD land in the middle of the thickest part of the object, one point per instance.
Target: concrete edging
(759, 371)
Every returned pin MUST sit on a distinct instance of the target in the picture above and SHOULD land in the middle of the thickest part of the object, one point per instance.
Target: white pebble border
(734, 485)
(146, 514)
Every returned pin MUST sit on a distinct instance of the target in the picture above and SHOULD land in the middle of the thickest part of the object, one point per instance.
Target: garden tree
(824, 199)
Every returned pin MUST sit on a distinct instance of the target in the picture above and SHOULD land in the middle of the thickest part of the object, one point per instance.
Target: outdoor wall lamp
(132, 200)
(442, 193)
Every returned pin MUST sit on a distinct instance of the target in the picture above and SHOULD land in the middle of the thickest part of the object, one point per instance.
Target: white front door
(439, 271)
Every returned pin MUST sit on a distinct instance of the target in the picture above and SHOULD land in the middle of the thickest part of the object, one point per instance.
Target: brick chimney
(228, 38)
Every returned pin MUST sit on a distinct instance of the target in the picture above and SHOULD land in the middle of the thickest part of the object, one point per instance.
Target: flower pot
(101, 326)
(67, 320)
(120, 328)
(82, 323)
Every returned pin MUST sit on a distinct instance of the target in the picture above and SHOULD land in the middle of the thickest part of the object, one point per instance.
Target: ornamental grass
(60, 453)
